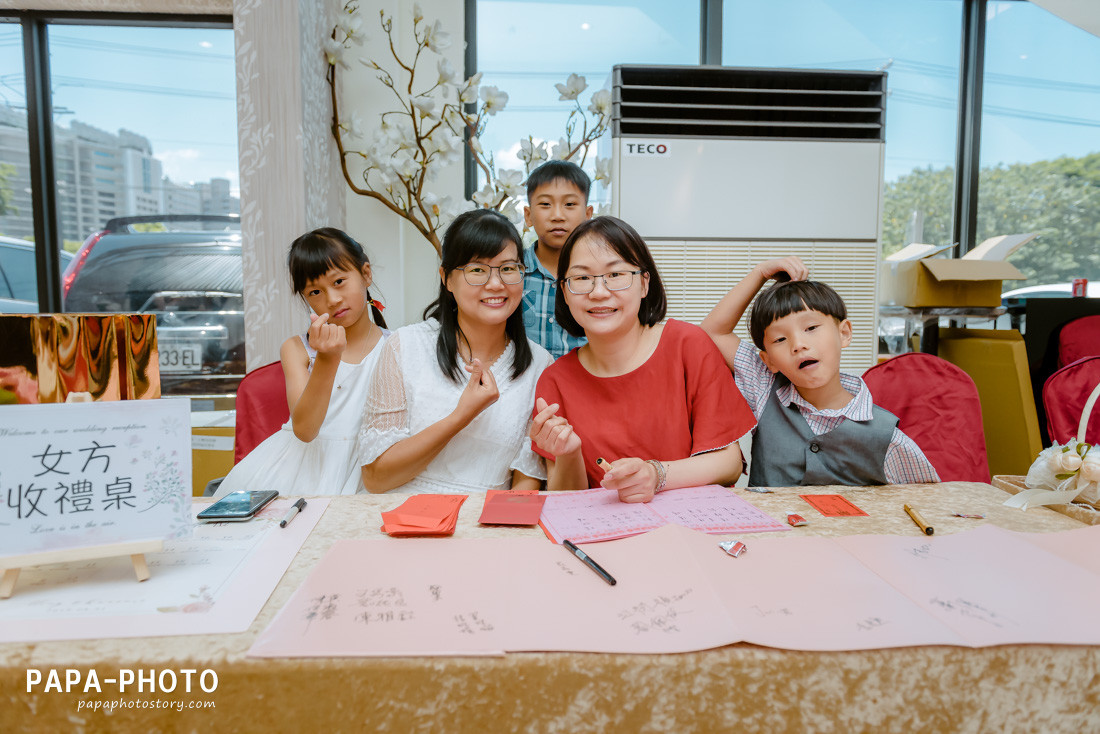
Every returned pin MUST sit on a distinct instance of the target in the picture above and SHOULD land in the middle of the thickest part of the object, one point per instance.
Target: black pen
(294, 510)
(572, 548)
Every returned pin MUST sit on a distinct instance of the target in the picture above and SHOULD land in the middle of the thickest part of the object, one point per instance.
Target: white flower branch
(428, 131)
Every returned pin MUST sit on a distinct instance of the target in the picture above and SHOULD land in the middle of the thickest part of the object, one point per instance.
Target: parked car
(191, 279)
(18, 279)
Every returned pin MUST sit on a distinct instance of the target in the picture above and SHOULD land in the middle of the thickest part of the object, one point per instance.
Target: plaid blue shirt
(539, 291)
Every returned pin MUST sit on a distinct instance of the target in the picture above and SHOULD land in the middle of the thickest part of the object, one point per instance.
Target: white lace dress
(329, 463)
(409, 392)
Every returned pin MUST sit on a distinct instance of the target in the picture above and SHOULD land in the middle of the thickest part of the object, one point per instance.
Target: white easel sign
(93, 474)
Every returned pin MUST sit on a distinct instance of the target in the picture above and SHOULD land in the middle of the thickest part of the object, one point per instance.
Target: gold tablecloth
(742, 688)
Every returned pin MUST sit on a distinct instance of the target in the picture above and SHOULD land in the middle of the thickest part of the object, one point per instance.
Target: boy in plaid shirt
(557, 201)
(815, 424)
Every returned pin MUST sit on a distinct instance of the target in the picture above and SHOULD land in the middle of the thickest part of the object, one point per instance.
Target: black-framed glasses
(619, 280)
(478, 274)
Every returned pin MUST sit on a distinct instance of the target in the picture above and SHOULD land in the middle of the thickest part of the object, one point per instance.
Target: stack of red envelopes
(424, 514)
(505, 507)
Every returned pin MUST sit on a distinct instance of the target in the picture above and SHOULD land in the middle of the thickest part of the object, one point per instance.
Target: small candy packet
(733, 547)
(796, 521)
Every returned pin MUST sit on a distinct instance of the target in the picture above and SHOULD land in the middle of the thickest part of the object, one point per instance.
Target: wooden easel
(136, 550)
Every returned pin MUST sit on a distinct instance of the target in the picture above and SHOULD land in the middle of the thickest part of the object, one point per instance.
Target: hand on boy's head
(784, 269)
(326, 338)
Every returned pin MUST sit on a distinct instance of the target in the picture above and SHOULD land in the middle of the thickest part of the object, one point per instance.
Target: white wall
(405, 264)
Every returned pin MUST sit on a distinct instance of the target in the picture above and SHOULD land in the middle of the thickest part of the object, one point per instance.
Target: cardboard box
(211, 447)
(997, 362)
(915, 278)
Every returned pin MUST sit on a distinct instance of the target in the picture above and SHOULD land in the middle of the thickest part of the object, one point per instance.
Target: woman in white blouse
(427, 427)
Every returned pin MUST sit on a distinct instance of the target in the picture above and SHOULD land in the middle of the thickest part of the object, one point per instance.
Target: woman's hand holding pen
(635, 479)
(552, 433)
(480, 392)
(327, 339)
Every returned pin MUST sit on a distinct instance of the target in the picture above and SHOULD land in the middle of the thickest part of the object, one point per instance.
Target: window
(917, 44)
(16, 207)
(1040, 142)
(140, 111)
(516, 54)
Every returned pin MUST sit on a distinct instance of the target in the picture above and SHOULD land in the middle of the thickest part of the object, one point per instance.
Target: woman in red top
(643, 406)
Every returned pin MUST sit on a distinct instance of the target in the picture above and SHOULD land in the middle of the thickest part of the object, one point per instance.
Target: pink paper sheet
(810, 594)
(678, 592)
(987, 585)
(1080, 547)
(368, 598)
(594, 515)
(77, 601)
(661, 603)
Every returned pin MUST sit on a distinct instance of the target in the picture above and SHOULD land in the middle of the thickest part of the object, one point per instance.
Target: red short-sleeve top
(682, 401)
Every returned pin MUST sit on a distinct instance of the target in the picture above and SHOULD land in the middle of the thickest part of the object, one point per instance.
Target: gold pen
(925, 527)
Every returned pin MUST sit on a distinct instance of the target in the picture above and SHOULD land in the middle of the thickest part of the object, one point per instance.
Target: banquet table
(741, 687)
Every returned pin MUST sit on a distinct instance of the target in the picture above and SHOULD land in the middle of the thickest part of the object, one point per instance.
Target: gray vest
(786, 453)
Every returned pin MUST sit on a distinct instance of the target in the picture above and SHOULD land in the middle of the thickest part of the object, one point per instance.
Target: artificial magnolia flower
(352, 26)
(468, 94)
(494, 99)
(446, 71)
(435, 38)
(531, 153)
(334, 53)
(601, 103)
(572, 88)
(511, 182)
(404, 165)
(418, 13)
(353, 126)
(487, 196)
(426, 105)
(475, 145)
(561, 150)
(511, 211)
(603, 169)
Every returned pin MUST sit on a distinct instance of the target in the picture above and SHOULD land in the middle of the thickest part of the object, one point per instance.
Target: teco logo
(647, 149)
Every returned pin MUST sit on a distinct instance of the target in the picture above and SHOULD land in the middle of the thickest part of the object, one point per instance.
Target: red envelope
(424, 514)
(512, 508)
(832, 505)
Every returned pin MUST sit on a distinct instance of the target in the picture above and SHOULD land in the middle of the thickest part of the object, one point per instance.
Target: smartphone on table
(237, 506)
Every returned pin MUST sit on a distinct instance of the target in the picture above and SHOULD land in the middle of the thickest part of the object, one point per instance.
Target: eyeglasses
(510, 273)
(580, 285)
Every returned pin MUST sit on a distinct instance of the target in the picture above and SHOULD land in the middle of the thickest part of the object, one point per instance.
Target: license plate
(180, 356)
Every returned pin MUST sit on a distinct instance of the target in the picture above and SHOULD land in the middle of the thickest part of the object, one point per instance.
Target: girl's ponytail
(376, 312)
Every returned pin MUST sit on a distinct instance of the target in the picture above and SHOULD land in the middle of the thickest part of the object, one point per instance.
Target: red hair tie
(377, 305)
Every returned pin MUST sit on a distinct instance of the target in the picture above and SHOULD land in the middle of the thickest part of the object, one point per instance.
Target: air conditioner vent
(726, 102)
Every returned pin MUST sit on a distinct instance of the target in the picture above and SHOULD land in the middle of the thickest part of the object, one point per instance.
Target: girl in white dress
(427, 428)
(327, 373)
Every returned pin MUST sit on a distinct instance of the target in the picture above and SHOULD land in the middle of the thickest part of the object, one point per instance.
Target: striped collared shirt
(905, 463)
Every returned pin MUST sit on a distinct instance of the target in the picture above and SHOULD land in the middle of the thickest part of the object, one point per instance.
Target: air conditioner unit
(720, 168)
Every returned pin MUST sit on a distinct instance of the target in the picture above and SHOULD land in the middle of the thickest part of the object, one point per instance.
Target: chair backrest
(261, 408)
(1064, 396)
(1078, 339)
(937, 406)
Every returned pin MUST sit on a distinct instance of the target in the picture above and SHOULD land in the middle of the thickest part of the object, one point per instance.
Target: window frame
(36, 70)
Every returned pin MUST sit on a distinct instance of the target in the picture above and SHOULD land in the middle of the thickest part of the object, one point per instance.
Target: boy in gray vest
(815, 424)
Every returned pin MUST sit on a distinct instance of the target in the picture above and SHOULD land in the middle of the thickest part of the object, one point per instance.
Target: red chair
(261, 408)
(1064, 396)
(937, 406)
(1078, 339)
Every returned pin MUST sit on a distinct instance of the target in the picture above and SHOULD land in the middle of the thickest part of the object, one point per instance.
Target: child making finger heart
(327, 373)
(643, 406)
(448, 406)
